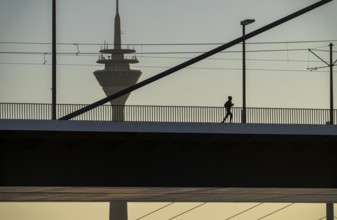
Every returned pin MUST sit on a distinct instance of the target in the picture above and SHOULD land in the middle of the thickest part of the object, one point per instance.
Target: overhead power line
(165, 44)
(165, 67)
(140, 53)
(217, 58)
(234, 59)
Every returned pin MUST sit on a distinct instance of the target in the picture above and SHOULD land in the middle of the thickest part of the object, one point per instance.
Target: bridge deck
(222, 159)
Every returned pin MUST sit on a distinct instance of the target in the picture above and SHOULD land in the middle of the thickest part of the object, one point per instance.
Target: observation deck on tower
(116, 56)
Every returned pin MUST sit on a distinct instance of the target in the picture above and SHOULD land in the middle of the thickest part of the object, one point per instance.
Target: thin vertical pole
(243, 75)
(54, 62)
(329, 211)
(331, 86)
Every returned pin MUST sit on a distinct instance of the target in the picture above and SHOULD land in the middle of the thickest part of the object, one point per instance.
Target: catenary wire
(165, 67)
(227, 59)
(138, 53)
(166, 44)
(184, 58)
(236, 59)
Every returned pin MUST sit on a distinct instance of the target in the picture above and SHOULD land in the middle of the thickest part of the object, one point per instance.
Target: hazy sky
(274, 78)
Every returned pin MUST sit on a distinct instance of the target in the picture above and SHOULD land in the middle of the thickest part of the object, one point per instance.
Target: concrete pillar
(118, 113)
(329, 211)
(118, 210)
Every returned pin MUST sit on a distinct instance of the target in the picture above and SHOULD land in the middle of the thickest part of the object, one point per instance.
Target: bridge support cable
(278, 210)
(150, 213)
(194, 60)
(244, 211)
(198, 206)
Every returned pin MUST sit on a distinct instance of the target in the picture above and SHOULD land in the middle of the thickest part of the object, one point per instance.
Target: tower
(117, 74)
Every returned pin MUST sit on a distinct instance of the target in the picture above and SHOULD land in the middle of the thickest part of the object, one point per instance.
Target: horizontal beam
(162, 194)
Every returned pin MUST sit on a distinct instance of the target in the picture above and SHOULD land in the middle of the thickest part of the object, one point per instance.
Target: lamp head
(247, 21)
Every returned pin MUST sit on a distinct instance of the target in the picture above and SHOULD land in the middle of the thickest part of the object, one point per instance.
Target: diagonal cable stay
(150, 213)
(188, 211)
(276, 211)
(325, 218)
(244, 211)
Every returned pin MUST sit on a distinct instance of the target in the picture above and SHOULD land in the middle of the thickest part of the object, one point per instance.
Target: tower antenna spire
(118, 42)
(117, 6)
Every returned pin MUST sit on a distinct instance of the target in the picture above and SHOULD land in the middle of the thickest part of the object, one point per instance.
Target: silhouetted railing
(193, 114)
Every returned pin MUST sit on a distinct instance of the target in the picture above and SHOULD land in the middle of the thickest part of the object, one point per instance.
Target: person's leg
(224, 119)
(226, 116)
(231, 117)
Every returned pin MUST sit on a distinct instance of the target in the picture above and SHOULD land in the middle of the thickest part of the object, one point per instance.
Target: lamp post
(53, 60)
(244, 23)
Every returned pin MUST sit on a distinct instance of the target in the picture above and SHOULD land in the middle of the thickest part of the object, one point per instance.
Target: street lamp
(244, 23)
